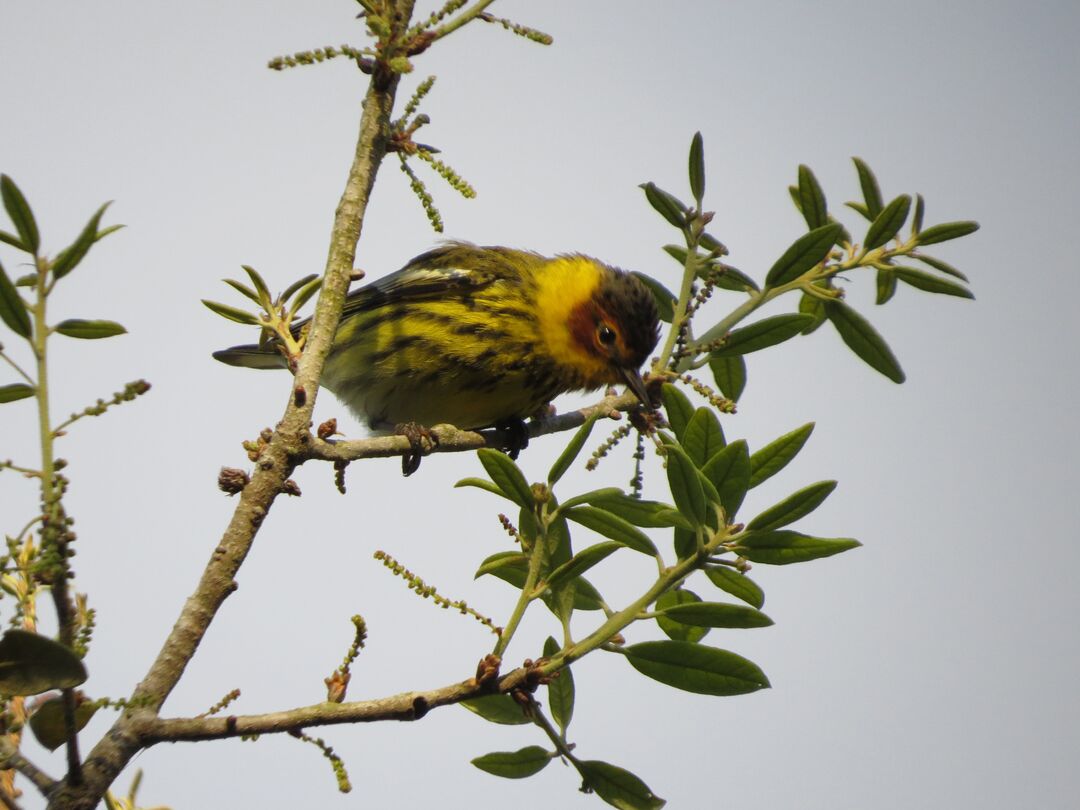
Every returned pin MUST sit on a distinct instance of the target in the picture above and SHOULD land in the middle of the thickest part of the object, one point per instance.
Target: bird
(479, 336)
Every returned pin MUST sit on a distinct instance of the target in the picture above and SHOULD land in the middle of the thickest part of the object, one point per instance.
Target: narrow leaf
(814, 307)
(89, 330)
(507, 476)
(729, 373)
(560, 689)
(888, 222)
(794, 506)
(729, 471)
(811, 199)
(502, 559)
(920, 209)
(13, 240)
(696, 668)
(618, 787)
(947, 231)
(581, 562)
(67, 259)
(21, 215)
(604, 522)
(930, 283)
(499, 709)
(718, 614)
(666, 205)
(860, 208)
(703, 436)
(570, 454)
(259, 285)
(870, 190)
(763, 334)
(864, 340)
(786, 547)
(697, 168)
(650, 514)
(31, 664)
(738, 585)
(886, 285)
(685, 485)
(678, 409)
(672, 628)
(805, 252)
(231, 313)
(938, 264)
(296, 285)
(664, 298)
(484, 484)
(12, 309)
(15, 391)
(304, 294)
(514, 764)
(773, 457)
(250, 294)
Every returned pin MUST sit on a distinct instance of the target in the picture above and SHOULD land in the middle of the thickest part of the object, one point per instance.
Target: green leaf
(860, 208)
(920, 209)
(730, 374)
(667, 205)
(12, 309)
(930, 283)
(703, 436)
(717, 614)
(592, 496)
(89, 330)
(514, 764)
(499, 709)
(807, 251)
(814, 307)
(696, 668)
(500, 560)
(507, 476)
(794, 506)
(69, 258)
(870, 190)
(763, 334)
(729, 471)
(581, 562)
(31, 664)
(573, 449)
(671, 627)
(938, 264)
(697, 168)
(731, 278)
(13, 240)
(650, 514)
(786, 547)
(678, 408)
(864, 340)
(888, 222)
(304, 294)
(47, 721)
(296, 285)
(613, 527)
(560, 689)
(15, 392)
(231, 313)
(260, 286)
(618, 787)
(886, 285)
(738, 585)
(685, 485)
(811, 199)
(946, 231)
(774, 456)
(21, 215)
(664, 298)
(250, 294)
(481, 483)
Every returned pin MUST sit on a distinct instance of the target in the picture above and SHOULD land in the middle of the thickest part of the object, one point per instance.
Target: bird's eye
(606, 335)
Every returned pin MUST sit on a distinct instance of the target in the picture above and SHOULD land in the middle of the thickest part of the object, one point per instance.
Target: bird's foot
(516, 435)
(421, 442)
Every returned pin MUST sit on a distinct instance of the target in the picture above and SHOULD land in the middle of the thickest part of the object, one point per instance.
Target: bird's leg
(516, 435)
(417, 435)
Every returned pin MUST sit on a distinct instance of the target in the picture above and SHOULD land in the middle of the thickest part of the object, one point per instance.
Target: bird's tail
(251, 355)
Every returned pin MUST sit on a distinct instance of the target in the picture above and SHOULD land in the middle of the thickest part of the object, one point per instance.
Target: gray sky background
(934, 668)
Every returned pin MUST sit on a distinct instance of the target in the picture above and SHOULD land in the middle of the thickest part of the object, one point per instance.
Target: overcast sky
(933, 668)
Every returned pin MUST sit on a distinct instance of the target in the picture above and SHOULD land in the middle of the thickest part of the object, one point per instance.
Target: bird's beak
(636, 384)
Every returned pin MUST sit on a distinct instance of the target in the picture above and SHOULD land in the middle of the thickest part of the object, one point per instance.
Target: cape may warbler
(474, 336)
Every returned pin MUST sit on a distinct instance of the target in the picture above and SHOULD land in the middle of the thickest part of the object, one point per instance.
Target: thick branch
(404, 706)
